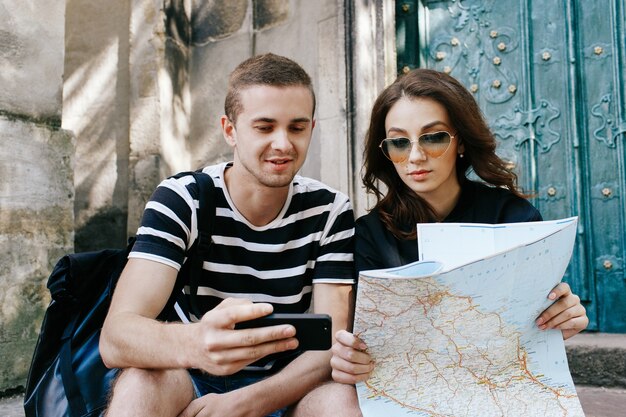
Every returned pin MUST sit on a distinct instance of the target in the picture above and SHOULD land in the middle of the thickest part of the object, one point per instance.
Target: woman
(426, 134)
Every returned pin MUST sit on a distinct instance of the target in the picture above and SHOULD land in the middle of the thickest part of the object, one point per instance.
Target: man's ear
(228, 130)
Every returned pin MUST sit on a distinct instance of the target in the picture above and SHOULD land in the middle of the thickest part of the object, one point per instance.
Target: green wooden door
(550, 78)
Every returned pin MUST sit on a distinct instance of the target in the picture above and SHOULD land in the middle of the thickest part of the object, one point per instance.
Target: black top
(376, 247)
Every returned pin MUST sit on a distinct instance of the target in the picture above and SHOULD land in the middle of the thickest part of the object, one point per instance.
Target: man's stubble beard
(270, 180)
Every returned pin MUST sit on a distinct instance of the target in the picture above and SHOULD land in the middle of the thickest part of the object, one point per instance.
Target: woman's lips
(419, 174)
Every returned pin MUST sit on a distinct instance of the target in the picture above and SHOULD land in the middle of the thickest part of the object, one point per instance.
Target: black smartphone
(313, 331)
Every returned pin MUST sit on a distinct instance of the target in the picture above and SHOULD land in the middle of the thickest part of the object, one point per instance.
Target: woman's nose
(417, 153)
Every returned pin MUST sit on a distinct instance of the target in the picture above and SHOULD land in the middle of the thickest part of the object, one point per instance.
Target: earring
(461, 155)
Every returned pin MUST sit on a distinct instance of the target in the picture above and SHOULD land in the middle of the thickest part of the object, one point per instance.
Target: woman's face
(433, 179)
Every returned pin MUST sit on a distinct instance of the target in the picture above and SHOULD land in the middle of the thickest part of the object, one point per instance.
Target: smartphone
(313, 331)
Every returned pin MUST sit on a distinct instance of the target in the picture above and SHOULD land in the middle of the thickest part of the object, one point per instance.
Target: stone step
(601, 401)
(597, 359)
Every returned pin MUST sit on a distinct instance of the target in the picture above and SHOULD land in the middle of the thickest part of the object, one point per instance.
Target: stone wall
(36, 167)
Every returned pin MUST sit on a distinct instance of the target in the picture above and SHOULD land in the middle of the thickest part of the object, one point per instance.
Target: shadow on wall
(105, 229)
(96, 109)
(101, 106)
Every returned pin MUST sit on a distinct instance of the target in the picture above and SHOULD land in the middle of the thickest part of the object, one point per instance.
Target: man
(281, 242)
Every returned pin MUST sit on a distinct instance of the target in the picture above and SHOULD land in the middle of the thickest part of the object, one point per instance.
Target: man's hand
(225, 351)
(350, 362)
(218, 405)
(566, 314)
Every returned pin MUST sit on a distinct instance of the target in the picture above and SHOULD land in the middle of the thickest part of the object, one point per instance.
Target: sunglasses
(434, 145)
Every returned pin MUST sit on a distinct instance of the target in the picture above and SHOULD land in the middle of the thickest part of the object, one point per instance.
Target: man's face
(272, 133)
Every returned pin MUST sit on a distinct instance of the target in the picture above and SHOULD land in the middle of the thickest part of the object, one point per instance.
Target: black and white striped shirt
(309, 242)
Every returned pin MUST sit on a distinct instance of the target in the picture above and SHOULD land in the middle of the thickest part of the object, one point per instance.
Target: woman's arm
(566, 313)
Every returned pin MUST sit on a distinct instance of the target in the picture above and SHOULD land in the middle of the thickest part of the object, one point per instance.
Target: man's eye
(297, 129)
(263, 128)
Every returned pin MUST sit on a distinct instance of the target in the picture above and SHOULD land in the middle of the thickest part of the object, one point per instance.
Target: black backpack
(67, 376)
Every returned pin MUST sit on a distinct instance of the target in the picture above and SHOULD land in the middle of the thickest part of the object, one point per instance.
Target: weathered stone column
(159, 98)
(373, 63)
(95, 108)
(36, 186)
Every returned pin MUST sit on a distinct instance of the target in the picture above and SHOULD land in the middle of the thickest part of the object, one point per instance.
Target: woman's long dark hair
(400, 205)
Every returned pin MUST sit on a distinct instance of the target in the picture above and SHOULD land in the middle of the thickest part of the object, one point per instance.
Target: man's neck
(259, 204)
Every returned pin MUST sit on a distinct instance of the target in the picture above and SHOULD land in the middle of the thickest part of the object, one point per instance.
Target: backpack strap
(76, 403)
(206, 220)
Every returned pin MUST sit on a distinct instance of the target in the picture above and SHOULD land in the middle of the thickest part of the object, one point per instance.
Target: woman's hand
(350, 362)
(566, 314)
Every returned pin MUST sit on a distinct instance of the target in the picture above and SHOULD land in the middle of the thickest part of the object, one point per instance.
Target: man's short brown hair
(267, 69)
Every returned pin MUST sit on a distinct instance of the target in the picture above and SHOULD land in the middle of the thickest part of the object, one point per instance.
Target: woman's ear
(461, 148)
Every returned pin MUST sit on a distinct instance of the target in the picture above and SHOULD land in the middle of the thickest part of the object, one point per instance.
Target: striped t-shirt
(310, 241)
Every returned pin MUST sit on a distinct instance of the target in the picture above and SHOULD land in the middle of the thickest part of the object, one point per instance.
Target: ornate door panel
(549, 76)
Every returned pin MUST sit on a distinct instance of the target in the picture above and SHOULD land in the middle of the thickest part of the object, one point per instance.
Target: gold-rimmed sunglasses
(434, 145)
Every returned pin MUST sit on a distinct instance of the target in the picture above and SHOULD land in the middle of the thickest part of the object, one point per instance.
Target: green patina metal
(550, 78)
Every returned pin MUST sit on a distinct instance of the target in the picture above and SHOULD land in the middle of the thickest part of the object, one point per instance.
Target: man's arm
(295, 380)
(131, 337)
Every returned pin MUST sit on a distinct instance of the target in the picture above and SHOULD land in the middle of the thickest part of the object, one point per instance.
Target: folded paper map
(454, 334)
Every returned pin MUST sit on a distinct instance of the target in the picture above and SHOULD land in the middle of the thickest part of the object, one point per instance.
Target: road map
(454, 335)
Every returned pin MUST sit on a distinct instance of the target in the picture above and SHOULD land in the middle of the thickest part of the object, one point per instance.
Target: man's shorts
(208, 384)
